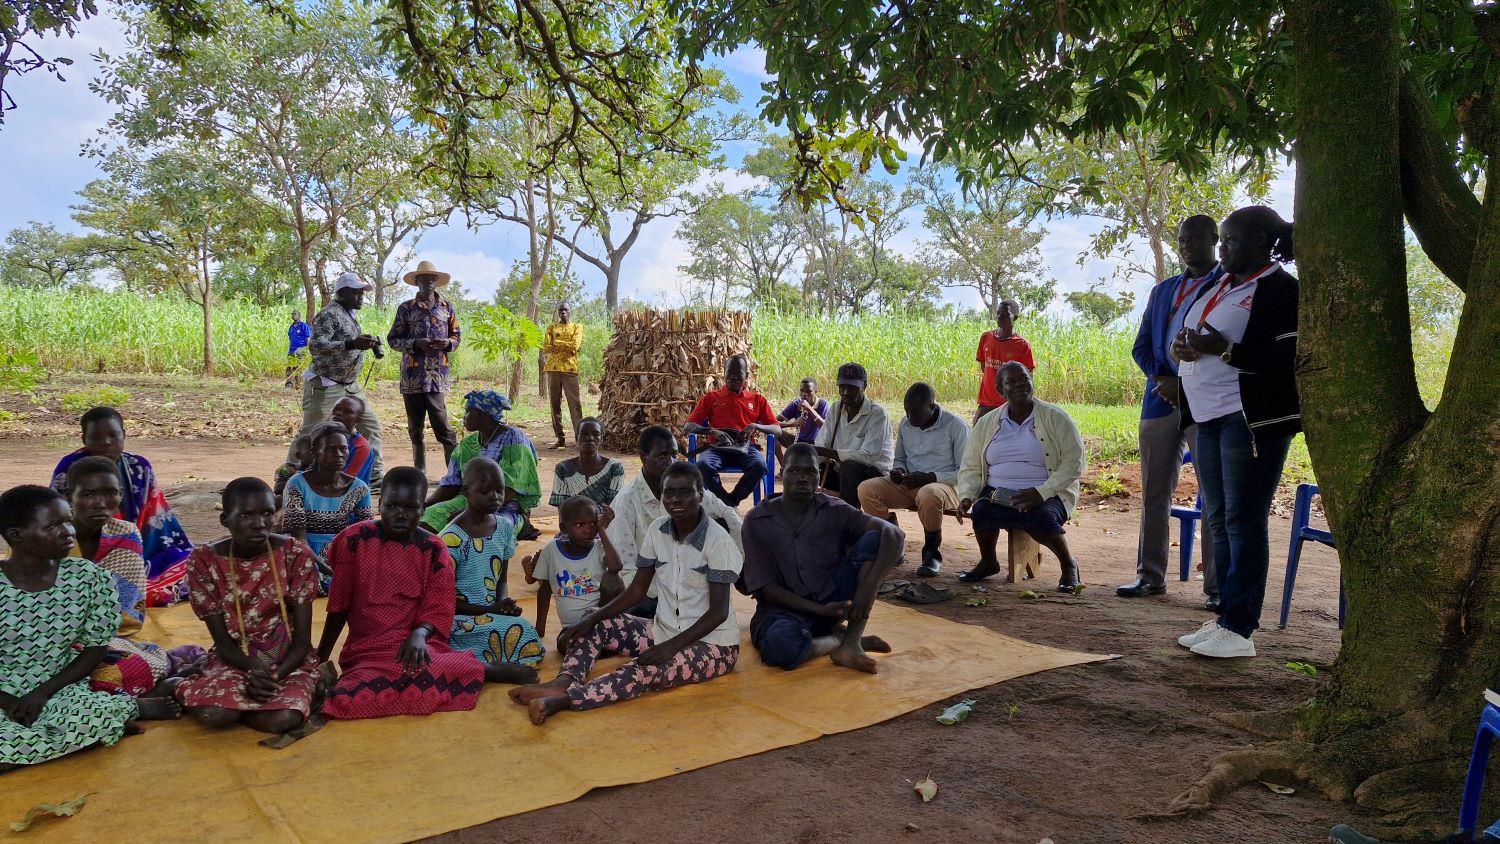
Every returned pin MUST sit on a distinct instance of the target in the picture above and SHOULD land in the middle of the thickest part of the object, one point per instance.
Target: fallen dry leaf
(68, 810)
(1279, 789)
(927, 789)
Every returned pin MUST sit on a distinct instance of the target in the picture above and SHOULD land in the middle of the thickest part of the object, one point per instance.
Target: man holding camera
(425, 332)
(338, 354)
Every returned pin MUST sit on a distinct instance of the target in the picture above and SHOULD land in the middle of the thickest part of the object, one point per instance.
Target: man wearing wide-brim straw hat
(426, 333)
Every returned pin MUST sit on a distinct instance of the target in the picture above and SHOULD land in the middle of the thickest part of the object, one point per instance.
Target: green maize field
(1078, 363)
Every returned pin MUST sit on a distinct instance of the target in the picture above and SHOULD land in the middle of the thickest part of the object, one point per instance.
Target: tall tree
(983, 238)
(41, 256)
(743, 246)
(1120, 179)
(314, 124)
(176, 214)
(1388, 109)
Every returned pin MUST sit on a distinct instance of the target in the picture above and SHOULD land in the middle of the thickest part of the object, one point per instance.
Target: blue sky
(42, 167)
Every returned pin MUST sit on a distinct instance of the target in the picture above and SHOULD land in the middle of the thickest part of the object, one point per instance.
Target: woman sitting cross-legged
(255, 592)
(393, 587)
(590, 474)
(694, 637)
(57, 616)
(482, 539)
(323, 499)
(132, 666)
(505, 444)
(1021, 471)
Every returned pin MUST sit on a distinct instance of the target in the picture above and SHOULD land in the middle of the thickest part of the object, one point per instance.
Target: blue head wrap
(491, 403)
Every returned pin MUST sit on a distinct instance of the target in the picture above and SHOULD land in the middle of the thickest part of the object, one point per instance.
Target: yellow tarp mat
(396, 779)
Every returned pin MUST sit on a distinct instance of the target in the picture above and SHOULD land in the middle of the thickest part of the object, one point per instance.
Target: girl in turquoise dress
(482, 539)
(51, 603)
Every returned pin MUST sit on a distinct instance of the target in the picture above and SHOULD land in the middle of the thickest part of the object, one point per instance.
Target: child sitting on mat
(694, 636)
(580, 571)
(393, 586)
(255, 591)
(482, 539)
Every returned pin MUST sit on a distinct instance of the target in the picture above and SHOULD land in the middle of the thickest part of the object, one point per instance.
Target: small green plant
(103, 394)
(1012, 711)
(7, 416)
(20, 371)
(1108, 484)
(501, 335)
(1305, 668)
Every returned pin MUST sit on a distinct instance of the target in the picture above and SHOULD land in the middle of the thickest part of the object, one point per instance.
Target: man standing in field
(338, 349)
(297, 335)
(560, 345)
(1162, 444)
(997, 348)
(425, 332)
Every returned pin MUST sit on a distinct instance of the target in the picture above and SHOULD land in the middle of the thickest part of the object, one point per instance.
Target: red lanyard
(1223, 290)
(1185, 290)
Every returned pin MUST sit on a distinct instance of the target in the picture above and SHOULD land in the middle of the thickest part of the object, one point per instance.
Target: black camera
(379, 349)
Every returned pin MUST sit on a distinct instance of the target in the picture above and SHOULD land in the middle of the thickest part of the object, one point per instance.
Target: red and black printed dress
(388, 588)
(262, 584)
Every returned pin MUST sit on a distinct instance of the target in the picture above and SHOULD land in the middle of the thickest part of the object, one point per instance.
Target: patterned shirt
(424, 372)
(561, 345)
(331, 359)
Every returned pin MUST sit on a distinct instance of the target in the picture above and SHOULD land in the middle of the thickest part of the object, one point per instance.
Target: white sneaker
(1224, 643)
(1200, 634)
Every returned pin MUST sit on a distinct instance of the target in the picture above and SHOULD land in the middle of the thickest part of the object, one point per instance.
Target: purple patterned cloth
(626, 635)
(424, 372)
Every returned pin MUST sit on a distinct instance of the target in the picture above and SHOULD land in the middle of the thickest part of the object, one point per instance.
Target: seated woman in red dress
(255, 592)
(393, 586)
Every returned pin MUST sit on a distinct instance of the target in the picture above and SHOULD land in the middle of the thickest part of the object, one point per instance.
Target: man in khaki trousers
(560, 345)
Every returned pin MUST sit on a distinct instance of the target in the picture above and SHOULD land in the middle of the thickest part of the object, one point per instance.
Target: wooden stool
(1022, 552)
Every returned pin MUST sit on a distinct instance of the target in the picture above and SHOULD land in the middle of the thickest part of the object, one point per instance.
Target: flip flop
(970, 577)
(892, 585)
(924, 593)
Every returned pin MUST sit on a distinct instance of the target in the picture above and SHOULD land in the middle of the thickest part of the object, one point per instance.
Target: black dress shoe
(1212, 604)
(1140, 589)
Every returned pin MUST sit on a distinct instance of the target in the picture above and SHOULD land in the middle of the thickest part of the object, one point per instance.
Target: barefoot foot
(543, 708)
(875, 644)
(524, 695)
(853, 656)
(158, 709)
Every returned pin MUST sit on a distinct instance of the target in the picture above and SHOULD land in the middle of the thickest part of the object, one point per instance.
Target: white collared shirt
(866, 438)
(684, 571)
(1213, 386)
(1015, 456)
(636, 508)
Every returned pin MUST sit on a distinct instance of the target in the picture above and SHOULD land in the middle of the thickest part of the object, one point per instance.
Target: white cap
(350, 280)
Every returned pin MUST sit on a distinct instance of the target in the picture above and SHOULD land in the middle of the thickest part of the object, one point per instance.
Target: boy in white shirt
(579, 571)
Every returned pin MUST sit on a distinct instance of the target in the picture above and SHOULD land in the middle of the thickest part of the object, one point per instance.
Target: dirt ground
(1075, 754)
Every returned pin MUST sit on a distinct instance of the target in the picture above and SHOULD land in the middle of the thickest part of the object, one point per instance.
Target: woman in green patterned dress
(50, 603)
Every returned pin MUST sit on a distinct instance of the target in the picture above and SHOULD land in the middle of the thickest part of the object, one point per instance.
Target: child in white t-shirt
(580, 569)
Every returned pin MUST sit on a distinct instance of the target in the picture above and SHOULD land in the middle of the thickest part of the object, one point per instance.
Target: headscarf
(491, 403)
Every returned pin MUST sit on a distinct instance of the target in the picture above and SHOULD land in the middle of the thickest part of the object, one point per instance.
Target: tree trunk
(1412, 498)
(304, 258)
(208, 322)
(612, 286)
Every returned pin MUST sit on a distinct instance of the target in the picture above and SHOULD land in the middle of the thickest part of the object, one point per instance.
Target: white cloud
(747, 61)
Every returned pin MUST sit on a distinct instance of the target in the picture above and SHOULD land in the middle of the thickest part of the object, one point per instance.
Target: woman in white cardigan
(1021, 471)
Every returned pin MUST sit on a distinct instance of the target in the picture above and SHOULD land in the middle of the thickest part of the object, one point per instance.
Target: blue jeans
(1238, 479)
(784, 638)
(750, 462)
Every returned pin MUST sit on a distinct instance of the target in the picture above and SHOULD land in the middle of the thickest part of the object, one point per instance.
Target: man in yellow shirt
(561, 344)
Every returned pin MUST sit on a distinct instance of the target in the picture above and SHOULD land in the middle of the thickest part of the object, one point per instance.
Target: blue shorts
(784, 638)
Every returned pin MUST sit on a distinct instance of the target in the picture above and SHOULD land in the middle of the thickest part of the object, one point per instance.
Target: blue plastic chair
(1489, 728)
(1189, 528)
(766, 487)
(1301, 532)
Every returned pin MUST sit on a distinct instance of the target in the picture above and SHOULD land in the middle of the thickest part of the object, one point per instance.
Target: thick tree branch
(1441, 209)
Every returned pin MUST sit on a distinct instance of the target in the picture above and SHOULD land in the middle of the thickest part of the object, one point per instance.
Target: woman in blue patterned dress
(57, 615)
(322, 500)
(482, 539)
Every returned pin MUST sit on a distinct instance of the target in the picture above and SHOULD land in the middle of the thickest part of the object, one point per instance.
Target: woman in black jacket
(1237, 350)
